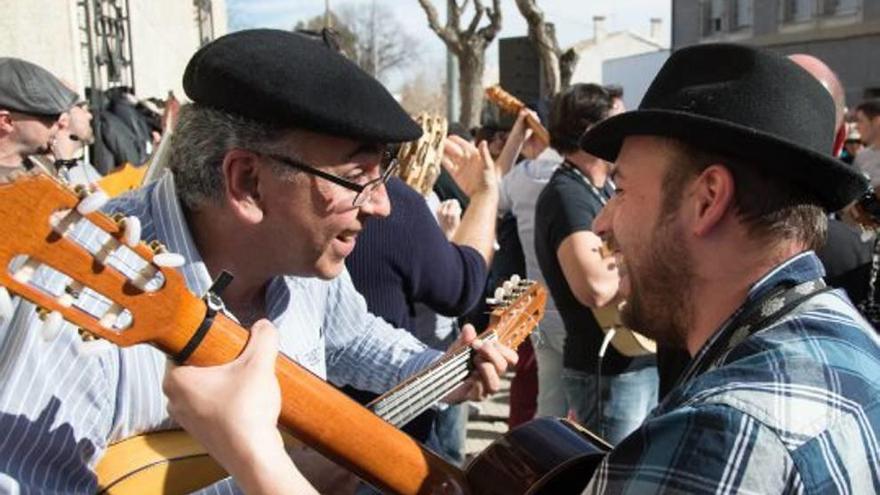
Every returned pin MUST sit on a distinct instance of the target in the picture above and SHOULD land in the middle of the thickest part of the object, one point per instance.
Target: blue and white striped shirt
(59, 409)
(793, 408)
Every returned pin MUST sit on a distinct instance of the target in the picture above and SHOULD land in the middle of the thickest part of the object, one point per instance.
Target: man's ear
(713, 196)
(241, 176)
(6, 126)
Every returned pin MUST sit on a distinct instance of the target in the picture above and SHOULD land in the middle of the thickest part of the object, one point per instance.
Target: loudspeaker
(520, 69)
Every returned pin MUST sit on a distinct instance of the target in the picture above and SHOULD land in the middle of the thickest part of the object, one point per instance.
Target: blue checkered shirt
(794, 408)
(60, 409)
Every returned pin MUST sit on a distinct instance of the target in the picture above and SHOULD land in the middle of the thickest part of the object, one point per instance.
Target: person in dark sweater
(405, 259)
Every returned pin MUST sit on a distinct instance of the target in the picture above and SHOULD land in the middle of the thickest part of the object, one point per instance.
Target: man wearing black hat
(723, 175)
(34, 119)
(274, 171)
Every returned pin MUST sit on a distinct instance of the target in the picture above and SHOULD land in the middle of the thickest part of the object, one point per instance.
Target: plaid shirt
(794, 408)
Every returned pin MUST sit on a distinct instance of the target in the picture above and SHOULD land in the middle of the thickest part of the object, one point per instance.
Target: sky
(573, 20)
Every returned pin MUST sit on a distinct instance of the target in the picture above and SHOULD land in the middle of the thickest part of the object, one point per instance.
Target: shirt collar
(172, 228)
(800, 268)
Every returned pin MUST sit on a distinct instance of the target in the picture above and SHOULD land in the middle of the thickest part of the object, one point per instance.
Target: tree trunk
(470, 73)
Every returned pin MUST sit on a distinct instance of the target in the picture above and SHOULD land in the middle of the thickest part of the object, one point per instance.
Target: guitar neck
(339, 428)
(413, 396)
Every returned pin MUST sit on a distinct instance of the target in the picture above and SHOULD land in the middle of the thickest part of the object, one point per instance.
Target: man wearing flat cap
(275, 168)
(34, 115)
(723, 178)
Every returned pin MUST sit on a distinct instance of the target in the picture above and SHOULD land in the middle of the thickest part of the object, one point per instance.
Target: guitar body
(546, 456)
(168, 462)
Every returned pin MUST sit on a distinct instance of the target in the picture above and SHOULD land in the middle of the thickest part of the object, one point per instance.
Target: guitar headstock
(92, 270)
(517, 308)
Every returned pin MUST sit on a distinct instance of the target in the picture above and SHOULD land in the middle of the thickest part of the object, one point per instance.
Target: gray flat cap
(31, 89)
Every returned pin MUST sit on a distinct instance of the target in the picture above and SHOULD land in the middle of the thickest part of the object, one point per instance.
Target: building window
(712, 13)
(204, 21)
(840, 7)
(797, 10)
(105, 29)
(741, 14)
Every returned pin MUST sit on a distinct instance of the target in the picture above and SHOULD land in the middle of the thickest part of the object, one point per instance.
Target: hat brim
(815, 172)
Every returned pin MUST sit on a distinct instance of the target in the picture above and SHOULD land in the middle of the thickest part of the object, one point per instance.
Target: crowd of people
(715, 221)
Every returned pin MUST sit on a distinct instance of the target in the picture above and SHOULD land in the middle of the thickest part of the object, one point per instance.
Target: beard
(661, 282)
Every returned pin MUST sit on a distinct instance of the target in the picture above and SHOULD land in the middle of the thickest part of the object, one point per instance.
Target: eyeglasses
(364, 192)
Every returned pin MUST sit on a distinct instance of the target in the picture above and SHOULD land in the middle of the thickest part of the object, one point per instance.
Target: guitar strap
(755, 316)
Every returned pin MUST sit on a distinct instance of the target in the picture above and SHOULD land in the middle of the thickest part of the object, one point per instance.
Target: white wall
(634, 73)
(614, 45)
(42, 32)
(164, 35)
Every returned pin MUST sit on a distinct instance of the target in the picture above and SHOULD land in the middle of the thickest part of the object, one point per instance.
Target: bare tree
(556, 64)
(381, 43)
(371, 36)
(423, 93)
(469, 45)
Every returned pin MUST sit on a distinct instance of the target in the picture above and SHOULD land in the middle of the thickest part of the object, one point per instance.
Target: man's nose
(378, 205)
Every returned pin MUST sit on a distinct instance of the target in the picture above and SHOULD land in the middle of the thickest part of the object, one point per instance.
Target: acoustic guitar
(154, 306)
(626, 341)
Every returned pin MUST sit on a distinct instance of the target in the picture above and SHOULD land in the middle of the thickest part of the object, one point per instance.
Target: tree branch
(449, 36)
(475, 22)
(489, 32)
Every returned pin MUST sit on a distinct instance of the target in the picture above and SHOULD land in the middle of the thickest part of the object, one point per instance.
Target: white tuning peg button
(169, 260)
(5, 305)
(92, 203)
(507, 285)
(500, 293)
(515, 279)
(93, 347)
(51, 326)
(132, 235)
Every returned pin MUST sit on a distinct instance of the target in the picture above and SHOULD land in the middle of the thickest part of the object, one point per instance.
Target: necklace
(600, 195)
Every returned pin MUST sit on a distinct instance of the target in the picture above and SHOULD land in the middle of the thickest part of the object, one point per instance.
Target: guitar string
(408, 390)
(442, 384)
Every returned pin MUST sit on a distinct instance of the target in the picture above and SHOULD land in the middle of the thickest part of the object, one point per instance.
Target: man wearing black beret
(723, 177)
(275, 169)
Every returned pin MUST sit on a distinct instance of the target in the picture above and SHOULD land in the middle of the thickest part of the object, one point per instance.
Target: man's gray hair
(202, 138)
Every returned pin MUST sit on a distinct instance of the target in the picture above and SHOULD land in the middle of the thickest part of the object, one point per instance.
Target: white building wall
(164, 35)
(43, 32)
(614, 45)
(634, 74)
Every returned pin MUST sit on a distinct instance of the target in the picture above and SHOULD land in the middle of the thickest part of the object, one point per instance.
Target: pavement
(488, 419)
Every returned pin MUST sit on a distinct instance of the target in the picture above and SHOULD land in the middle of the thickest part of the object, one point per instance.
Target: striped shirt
(793, 408)
(60, 409)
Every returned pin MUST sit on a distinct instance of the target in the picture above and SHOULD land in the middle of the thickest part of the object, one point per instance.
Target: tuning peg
(165, 259)
(169, 260)
(91, 345)
(515, 279)
(131, 226)
(500, 293)
(507, 286)
(5, 305)
(52, 322)
(92, 202)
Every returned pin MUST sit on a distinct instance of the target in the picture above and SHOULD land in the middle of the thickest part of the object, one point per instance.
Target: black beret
(31, 89)
(290, 79)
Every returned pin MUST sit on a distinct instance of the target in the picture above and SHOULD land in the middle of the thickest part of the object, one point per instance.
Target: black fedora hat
(746, 102)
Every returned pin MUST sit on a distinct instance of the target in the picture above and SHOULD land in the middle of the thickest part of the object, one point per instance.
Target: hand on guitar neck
(232, 409)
